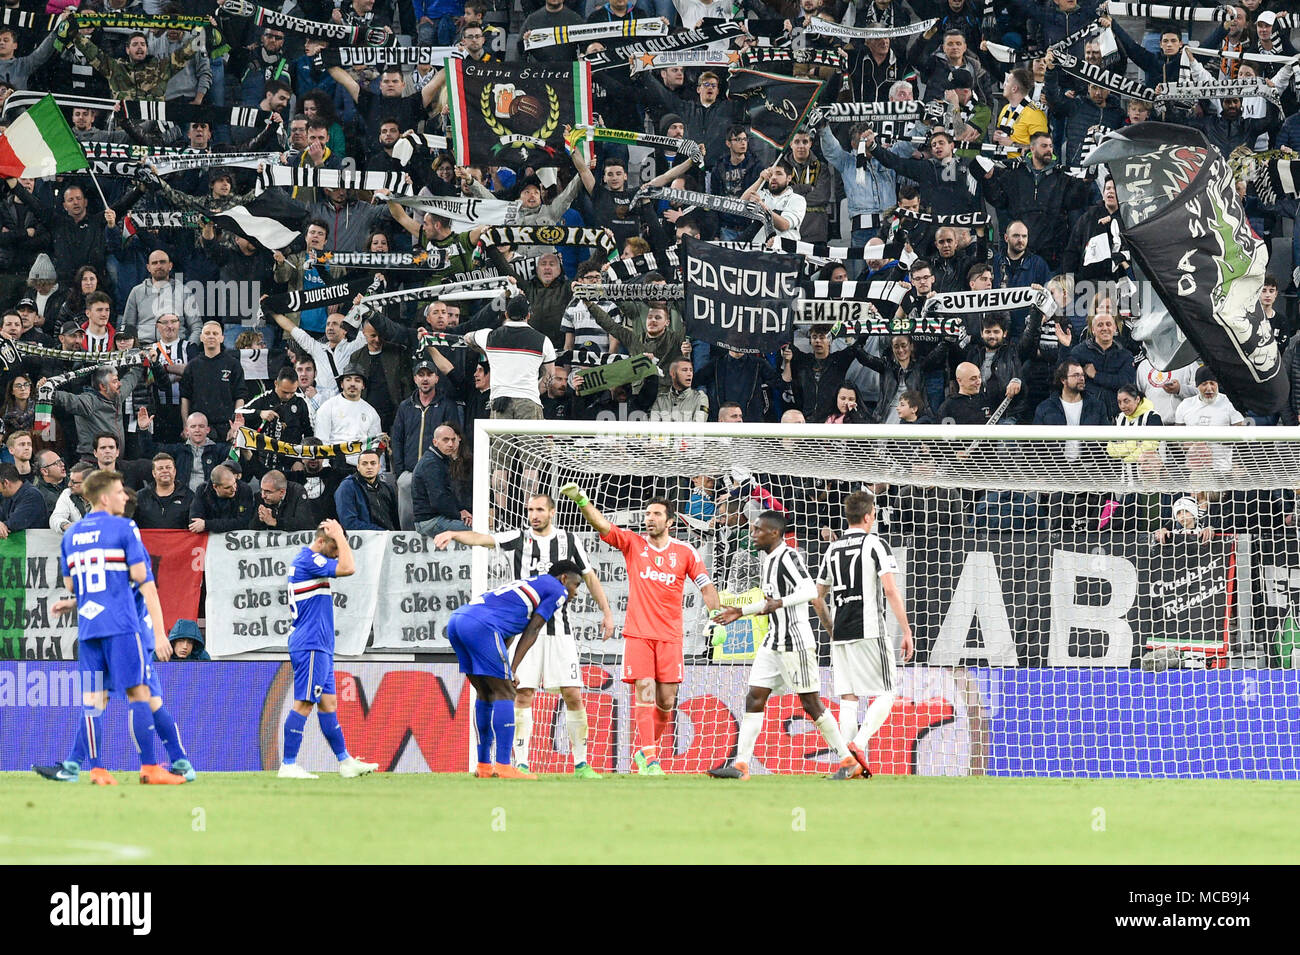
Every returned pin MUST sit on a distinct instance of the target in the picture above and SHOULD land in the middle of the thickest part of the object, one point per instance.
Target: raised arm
(589, 511)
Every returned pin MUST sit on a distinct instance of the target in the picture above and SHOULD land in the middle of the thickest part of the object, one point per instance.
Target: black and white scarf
(601, 239)
(412, 142)
(466, 211)
(866, 112)
(966, 220)
(990, 300)
(1223, 89)
(448, 291)
(711, 31)
(58, 354)
(339, 294)
(630, 291)
(1081, 69)
(625, 270)
(823, 250)
(170, 219)
(1012, 116)
(701, 59)
(745, 208)
(308, 177)
(338, 32)
(767, 57)
(820, 27)
(167, 165)
(587, 32)
(349, 56)
(434, 259)
(143, 110)
(1062, 45)
(1161, 11)
(688, 148)
(868, 291)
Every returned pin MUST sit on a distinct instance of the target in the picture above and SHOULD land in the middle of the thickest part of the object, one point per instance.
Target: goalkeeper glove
(575, 494)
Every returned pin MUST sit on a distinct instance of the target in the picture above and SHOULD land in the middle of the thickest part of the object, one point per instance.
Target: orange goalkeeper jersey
(656, 580)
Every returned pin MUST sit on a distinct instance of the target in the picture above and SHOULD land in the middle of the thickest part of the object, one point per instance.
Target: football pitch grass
(428, 818)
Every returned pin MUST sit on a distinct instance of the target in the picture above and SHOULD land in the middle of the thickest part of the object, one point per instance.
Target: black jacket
(946, 185)
(1040, 198)
(25, 510)
(212, 454)
(1081, 114)
(968, 409)
(1005, 369)
(164, 513)
(434, 493)
(891, 372)
(293, 513)
(324, 484)
(213, 385)
(223, 514)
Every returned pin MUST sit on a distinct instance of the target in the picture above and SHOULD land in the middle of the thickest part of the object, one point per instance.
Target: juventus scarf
(869, 291)
(338, 32)
(58, 354)
(1065, 43)
(860, 318)
(558, 36)
(1091, 73)
(711, 31)
(685, 147)
(185, 162)
(446, 291)
(348, 56)
(1013, 114)
(746, 208)
(601, 239)
(1225, 89)
(629, 291)
(686, 58)
(322, 297)
(305, 176)
(990, 300)
(822, 250)
(767, 56)
(1160, 11)
(246, 439)
(866, 112)
(1208, 54)
(625, 270)
(820, 27)
(465, 212)
(967, 220)
(430, 260)
(182, 114)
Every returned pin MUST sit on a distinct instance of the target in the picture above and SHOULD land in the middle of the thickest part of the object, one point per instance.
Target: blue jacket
(354, 508)
(25, 510)
(413, 427)
(876, 190)
(1030, 270)
(1056, 24)
(1051, 411)
(1114, 368)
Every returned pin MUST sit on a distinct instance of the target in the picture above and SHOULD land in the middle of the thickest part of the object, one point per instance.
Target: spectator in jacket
(1071, 405)
(441, 502)
(1037, 192)
(51, 477)
(1173, 64)
(1097, 107)
(195, 457)
(99, 408)
(748, 381)
(213, 382)
(21, 506)
(1059, 18)
(419, 416)
(1095, 251)
(224, 504)
(816, 375)
(997, 356)
(187, 641)
(943, 179)
(1105, 361)
(281, 506)
(816, 183)
(364, 502)
(165, 505)
(680, 401)
(1230, 129)
(71, 506)
(76, 237)
(161, 294)
(870, 189)
(1016, 267)
(900, 372)
(661, 336)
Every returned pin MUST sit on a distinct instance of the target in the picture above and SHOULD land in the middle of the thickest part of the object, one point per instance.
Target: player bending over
(657, 568)
(858, 575)
(102, 555)
(311, 650)
(479, 631)
(788, 656)
(554, 661)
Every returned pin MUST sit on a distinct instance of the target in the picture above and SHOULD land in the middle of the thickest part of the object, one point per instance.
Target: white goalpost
(1086, 602)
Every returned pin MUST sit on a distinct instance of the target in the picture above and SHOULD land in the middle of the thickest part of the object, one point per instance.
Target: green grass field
(257, 818)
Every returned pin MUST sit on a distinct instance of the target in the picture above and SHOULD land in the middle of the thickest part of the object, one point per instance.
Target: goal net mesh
(1119, 606)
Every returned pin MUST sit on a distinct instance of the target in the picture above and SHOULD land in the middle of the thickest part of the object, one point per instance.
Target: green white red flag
(40, 143)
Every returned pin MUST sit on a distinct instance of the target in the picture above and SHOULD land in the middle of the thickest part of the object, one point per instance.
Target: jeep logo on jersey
(658, 575)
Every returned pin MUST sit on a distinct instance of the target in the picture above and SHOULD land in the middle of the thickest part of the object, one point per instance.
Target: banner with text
(739, 299)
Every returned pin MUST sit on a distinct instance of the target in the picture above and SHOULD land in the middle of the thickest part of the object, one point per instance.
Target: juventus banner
(740, 300)
(1188, 233)
(515, 115)
(776, 105)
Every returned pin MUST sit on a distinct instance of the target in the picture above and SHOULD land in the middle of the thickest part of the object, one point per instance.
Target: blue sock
(141, 723)
(293, 725)
(503, 724)
(333, 733)
(169, 734)
(483, 724)
(80, 744)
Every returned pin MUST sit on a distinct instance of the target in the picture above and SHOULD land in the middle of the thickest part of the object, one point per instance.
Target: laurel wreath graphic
(552, 120)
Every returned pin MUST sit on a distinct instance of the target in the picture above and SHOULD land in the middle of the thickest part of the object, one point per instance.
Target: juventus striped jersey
(311, 604)
(785, 577)
(532, 553)
(857, 600)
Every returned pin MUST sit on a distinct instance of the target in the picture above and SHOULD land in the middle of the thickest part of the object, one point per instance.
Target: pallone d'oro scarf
(711, 31)
(746, 208)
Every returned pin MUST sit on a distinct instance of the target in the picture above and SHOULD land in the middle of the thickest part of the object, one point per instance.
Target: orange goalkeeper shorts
(658, 660)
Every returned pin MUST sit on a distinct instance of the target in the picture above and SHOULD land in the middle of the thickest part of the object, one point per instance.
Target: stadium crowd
(81, 272)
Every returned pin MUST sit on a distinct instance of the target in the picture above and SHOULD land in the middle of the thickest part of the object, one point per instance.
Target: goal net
(1097, 602)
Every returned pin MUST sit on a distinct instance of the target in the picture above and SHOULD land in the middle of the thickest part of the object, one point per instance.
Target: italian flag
(40, 143)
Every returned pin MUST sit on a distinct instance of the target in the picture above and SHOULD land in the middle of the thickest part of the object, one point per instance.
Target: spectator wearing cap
(22, 507)
(520, 355)
(532, 211)
(347, 416)
(1209, 407)
(213, 382)
(387, 367)
(162, 294)
(33, 323)
(187, 641)
(281, 413)
(42, 277)
(973, 115)
(331, 355)
(419, 415)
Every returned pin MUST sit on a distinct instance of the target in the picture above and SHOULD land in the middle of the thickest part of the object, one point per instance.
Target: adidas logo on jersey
(659, 575)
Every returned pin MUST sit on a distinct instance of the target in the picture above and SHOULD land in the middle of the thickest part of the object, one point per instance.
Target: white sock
(831, 733)
(848, 718)
(751, 724)
(523, 732)
(877, 713)
(575, 721)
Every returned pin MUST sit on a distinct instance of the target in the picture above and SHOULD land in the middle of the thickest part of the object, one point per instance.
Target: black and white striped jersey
(786, 578)
(532, 553)
(857, 599)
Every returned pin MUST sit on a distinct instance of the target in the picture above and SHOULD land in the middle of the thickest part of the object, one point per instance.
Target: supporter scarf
(170, 219)
(184, 113)
(1003, 54)
(45, 393)
(445, 291)
(822, 250)
(1225, 89)
(137, 21)
(465, 212)
(587, 32)
(601, 239)
(627, 269)
(124, 169)
(1208, 54)
(98, 149)
(820, 27)
(967, 220)
(866, 112)
(711, 31)
(630, 291)
(246, 439)
(990, 300)
(430, 260)
(858, 318)
(1012, 114)
(1160, 11)
(868, 291)
(1091, 140)
(412, 141)
(349, 56)
(724, 204)
(58, 354)
(610, 371)
(686, 58)
(1279, 179)
(326, 295)
(168, 165)
(1089, 72)
(767, 56)
(685, 147)
(1060, 46)
(339, 32)
(307, 177)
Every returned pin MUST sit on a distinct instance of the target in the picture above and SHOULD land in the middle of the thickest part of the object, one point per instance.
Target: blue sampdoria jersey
(97, 553)
(508, 609)
(310, 602)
